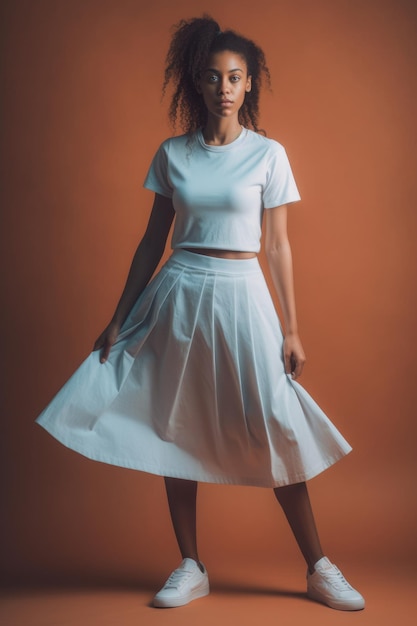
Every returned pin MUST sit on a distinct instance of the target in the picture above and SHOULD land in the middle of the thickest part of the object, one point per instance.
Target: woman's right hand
(105, 341)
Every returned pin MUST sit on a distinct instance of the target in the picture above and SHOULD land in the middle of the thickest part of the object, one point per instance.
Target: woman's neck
(221, 132)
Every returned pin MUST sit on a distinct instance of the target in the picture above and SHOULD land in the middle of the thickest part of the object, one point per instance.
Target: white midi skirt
(195, 386)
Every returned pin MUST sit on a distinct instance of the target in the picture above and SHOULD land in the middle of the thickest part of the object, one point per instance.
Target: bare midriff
(222, 254)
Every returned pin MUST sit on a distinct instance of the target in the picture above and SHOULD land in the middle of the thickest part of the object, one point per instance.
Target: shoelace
(177, 578)
(336, 578)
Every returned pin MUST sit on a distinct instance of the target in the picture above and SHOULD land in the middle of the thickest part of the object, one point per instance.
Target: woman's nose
(224, 86)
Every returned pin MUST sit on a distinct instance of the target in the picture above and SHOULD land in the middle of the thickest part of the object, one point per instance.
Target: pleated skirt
(195, 386)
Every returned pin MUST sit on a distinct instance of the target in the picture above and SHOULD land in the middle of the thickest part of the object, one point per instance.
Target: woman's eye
(213, 78)
(235, 78)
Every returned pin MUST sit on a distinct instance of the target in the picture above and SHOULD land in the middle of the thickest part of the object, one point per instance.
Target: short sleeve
(157, 178)
(280, 186)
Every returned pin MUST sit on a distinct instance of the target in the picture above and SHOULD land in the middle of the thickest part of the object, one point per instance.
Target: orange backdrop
(82, 117)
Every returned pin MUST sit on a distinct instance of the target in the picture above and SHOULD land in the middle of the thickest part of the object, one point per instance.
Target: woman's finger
(297, 369)
(105, 351)
(98, 343)
(289, 362)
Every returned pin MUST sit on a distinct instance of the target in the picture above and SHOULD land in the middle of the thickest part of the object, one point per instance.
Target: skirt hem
(200, 477)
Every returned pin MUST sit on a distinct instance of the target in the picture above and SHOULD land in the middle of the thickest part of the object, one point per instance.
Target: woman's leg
(182, 500)
(189, 581)
(296, 505)
(325, 583)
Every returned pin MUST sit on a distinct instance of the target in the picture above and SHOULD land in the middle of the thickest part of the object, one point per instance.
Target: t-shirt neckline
(228, 146)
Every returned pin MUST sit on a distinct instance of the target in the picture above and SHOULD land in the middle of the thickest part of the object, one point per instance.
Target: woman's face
(224, 83)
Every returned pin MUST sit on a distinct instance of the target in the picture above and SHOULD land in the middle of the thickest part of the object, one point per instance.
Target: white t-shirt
(219, 193)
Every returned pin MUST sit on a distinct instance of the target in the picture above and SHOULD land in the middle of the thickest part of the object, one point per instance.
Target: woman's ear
(248, 84)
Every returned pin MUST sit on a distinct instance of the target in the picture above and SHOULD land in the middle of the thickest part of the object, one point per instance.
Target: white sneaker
(186, 583)
(328, 585)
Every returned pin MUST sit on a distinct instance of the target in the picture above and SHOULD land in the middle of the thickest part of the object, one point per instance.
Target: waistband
(214, 264)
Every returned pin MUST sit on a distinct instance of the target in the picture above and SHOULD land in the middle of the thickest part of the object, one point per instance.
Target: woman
(192, 379)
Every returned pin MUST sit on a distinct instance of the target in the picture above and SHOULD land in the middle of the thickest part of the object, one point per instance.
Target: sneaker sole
(357, 605)
(172, 603)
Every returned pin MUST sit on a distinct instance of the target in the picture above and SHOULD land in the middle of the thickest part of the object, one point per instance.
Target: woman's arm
(278, 253)
(145, 261)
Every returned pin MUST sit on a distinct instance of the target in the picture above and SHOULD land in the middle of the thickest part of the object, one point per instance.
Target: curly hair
(192, 43)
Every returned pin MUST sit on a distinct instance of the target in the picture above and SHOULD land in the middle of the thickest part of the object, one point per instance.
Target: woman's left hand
(294, 357)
